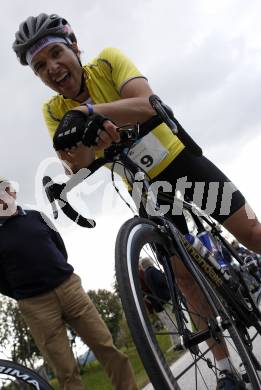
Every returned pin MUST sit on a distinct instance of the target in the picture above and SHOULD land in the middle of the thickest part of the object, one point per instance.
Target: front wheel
(167, 367)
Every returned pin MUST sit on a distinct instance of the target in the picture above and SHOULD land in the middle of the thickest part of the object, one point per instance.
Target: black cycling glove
(93, 125)
(76, 128)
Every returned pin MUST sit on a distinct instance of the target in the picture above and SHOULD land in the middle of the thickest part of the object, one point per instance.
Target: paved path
(188, 383)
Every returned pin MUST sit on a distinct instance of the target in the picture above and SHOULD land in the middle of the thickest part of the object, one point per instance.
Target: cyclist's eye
(38, 67)
(56, 52)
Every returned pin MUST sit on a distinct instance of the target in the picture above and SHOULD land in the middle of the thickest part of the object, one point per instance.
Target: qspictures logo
(103, 196)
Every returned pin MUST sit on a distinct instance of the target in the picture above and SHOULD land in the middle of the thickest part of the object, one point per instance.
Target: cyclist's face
(58, 67)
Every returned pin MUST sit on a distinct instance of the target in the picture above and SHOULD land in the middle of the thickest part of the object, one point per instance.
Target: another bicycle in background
(234, 315)
(15, 376)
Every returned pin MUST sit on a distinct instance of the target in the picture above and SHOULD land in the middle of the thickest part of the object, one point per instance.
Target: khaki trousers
(46, 316)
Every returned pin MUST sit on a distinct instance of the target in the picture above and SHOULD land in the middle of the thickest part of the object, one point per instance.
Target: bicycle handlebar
(58, 192)
(55, 192)
(166, 114)
(162, 110)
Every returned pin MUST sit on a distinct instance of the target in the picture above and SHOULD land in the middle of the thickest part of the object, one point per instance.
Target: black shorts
(208, 188)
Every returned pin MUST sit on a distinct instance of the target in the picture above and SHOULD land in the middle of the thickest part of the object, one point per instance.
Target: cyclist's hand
(70, 131)
(78, 128)
(107, 135)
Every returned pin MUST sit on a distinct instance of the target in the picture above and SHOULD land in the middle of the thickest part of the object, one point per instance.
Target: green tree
(15, 336)
(115, 286)
(110, 309)
(124, 338)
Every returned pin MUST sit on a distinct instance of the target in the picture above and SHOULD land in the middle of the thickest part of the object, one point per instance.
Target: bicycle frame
(208, 269)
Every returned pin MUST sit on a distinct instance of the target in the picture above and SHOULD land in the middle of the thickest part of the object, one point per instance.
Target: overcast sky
(203, 57)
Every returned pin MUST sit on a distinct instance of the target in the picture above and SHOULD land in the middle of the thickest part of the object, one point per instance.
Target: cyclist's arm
(133, 107)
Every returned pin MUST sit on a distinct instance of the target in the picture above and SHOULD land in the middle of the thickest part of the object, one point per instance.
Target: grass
(95, 378)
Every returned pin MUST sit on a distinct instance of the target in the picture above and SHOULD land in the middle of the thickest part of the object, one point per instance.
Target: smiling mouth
(63, 79)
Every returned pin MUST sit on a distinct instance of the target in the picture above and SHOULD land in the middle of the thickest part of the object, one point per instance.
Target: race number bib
(148, 152)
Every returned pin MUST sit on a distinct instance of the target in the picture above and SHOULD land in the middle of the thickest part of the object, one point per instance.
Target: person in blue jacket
(34, 271)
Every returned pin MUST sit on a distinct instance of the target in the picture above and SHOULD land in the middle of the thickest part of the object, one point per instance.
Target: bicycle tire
(132, 237)
(22, 374)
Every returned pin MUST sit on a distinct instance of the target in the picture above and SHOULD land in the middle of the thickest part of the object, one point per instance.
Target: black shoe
(229, 381)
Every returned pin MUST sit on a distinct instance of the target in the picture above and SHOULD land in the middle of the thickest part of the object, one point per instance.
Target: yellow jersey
(105, 75)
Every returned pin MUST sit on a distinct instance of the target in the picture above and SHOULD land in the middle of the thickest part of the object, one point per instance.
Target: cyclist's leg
(231, 208)
(244, 225)
(82, 315)
(44, 318)
(197, 304)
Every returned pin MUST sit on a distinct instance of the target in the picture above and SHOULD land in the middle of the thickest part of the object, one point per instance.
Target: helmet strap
(82, 86)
